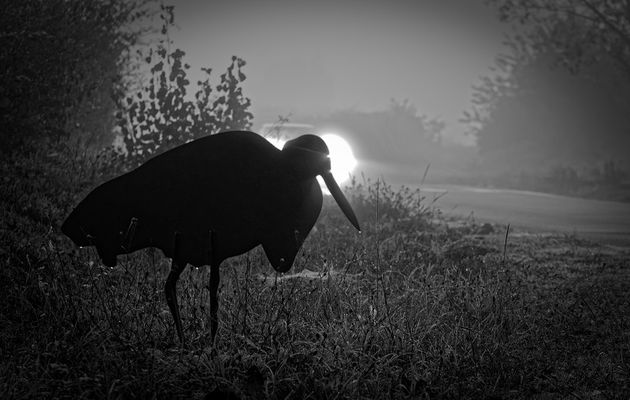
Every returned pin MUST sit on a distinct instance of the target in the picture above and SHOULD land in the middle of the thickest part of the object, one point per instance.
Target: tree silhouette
(559, 95)
(578, 31)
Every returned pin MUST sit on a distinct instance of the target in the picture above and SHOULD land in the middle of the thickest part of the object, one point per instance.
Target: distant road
(604, 221)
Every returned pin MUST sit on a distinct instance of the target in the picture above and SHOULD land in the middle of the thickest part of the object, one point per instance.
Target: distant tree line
(559, 97)
(398, 134)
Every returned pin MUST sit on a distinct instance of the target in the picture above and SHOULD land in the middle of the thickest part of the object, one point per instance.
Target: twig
(378, 256)
(507, 232)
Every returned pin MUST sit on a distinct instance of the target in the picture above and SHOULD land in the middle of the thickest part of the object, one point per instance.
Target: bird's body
(208, 200)
(247, 199)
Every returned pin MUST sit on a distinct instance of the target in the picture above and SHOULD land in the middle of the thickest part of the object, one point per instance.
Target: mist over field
(458, 227)
(384, 74)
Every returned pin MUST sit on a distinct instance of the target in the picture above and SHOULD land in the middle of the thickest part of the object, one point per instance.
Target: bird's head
(308, 156)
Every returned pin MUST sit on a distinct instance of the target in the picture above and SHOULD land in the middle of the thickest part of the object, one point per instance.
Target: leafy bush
(60, 60)
(161, 115)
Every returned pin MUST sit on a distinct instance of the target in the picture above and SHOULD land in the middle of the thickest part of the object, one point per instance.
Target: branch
(602, 17)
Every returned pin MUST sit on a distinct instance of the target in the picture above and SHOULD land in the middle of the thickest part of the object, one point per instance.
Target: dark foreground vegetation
(414, 307)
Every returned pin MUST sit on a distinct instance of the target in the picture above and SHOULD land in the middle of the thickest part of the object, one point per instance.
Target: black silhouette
(209, 200)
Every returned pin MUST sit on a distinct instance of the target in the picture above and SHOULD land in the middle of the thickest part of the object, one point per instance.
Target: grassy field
(414, 307)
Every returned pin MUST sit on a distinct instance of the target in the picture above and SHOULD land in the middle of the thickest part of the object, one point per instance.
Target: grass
(414, 307)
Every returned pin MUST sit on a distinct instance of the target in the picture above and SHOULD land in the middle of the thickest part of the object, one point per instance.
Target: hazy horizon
(312, 58)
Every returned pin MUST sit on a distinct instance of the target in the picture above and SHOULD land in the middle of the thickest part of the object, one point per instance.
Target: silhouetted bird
(210, 199)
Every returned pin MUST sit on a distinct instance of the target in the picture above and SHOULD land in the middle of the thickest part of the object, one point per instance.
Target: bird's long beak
(341, 200)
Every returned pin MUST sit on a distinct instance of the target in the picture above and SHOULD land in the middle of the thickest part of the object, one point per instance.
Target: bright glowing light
(342, 159)
(279, 143)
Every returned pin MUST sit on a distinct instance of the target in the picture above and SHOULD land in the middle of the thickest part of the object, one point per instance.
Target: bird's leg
(214, 287)
(214, 301)
(170, 288)
(129, 234)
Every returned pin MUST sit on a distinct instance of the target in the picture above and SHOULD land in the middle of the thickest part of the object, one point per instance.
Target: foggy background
(494, 94)
(398, 79)
(310, 59)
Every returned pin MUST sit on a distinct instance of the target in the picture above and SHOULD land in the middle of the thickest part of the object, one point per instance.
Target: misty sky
(313, 57)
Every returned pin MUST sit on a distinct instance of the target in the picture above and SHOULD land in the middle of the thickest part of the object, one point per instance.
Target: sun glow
(279, 143)
(342, 159)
